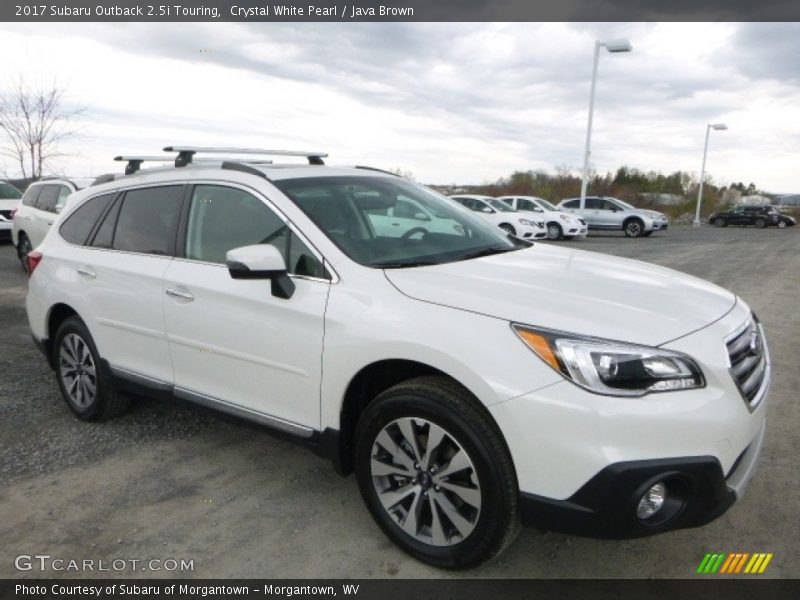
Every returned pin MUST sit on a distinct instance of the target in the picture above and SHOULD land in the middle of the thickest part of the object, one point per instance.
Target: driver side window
(223, 218)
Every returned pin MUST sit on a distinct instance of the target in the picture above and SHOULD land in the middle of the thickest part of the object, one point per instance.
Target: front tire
(781, 224)
(554, 231)
(436, 475)
(24, 248)
(634, 228)
(508, 229)
(84, 386)
(720, 222)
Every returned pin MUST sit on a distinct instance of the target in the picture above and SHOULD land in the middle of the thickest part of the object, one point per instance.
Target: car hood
(653, 214)
(586, 293)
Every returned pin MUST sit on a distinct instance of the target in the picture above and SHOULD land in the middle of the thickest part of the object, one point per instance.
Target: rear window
(148, 220)
(79, 224)
(48, 198)
(32, 195)
(8, 191)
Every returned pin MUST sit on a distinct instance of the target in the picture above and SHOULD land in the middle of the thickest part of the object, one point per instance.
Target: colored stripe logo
(735, 563)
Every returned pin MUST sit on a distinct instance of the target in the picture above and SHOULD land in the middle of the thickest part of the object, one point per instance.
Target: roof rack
(186, 153)
(135, 162)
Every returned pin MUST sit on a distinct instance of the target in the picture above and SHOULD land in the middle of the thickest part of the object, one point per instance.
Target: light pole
(614, 46)
(709, 127)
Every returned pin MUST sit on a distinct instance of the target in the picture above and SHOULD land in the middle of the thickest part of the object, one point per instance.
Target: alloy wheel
(553, 231)
(633, 229)
(77, 370)
(426, 481)
(23, 250)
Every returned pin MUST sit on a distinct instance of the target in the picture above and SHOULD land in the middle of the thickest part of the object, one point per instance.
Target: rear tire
(85, 388)
(453, 505)
(761, 223)
(24, 248)
(720, 222)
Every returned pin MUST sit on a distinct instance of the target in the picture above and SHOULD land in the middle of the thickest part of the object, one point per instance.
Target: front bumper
(605, 507)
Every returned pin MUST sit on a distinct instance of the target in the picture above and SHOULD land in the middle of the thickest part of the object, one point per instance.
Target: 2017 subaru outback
(470, 379)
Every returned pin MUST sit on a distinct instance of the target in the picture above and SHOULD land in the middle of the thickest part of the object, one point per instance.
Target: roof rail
(186, 153)
(135, 162)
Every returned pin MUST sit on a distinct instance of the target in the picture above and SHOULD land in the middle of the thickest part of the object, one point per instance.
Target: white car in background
(559, 224)
(409, 219)
(41, 204)
(502, 215)
(9, 199)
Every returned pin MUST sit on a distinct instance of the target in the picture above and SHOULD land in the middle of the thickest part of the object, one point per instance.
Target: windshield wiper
(486, 252)
(404, 264)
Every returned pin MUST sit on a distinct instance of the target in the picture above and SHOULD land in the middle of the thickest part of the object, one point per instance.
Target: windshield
(8, 191)
(500, 206)
(385, 222)
(545, 204)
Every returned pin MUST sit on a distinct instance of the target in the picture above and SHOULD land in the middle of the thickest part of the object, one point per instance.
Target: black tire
(633, 228)
(447, 405)
(720, 222)
(23, 249)
(761, 223)
(508, 229)
(106, 402)
(554, 231)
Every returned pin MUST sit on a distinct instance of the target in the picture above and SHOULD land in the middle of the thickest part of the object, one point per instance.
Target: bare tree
(35, 122)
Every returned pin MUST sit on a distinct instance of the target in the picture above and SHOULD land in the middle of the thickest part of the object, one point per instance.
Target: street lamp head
(621, 45)
(718, 126)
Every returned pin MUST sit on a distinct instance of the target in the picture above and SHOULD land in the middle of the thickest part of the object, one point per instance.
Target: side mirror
(537, 209)
(261, 261)
(486, 209)
(421, 216)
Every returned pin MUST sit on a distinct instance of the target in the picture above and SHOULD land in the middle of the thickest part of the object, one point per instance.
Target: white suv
(560, 225)
(43, 201)
(470, 379)
(506, 218)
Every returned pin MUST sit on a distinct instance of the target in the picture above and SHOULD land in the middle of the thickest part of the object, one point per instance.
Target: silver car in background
(613, 214)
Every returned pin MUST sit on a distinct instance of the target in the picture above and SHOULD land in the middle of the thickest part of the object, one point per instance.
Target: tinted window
(147, 220)
(8, 191)
(48, 198)
(523, 204)
(572, 204)
(593, 203)
(104, 238)
(32, 195)
(80, 223)
(223, 218)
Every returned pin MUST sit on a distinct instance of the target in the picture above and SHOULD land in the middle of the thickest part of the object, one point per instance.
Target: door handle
(87, 272)
(178, 294)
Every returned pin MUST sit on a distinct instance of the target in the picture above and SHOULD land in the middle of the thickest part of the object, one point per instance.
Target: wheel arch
(368, 383)
(57, 314)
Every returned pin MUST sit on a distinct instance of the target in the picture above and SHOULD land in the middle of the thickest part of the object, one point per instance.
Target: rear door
(122, 273)
(231, 341)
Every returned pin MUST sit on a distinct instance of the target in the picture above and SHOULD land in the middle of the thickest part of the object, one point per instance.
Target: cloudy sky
(450, 102)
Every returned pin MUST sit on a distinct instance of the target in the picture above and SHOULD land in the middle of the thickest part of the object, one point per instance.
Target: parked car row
(9, 199)
(566, 220)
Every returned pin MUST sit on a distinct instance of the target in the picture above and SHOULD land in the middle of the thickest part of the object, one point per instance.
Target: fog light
(652, 501)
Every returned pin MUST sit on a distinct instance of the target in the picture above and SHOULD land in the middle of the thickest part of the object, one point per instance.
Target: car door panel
(231, 341)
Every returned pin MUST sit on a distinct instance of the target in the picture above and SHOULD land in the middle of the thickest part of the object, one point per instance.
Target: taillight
(33, 258)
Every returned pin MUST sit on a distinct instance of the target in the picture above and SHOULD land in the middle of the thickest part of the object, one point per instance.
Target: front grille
(747, 350)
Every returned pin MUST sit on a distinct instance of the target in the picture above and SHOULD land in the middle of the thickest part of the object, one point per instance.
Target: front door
(232, 342)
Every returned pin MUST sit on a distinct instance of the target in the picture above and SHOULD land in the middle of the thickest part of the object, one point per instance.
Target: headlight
(612, 368)
(565, 218)
(526, 222)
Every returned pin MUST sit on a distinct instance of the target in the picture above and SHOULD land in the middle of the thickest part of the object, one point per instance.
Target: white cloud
(466, 102)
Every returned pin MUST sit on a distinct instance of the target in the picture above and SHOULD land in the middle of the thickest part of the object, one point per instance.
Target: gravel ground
(166, 481)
